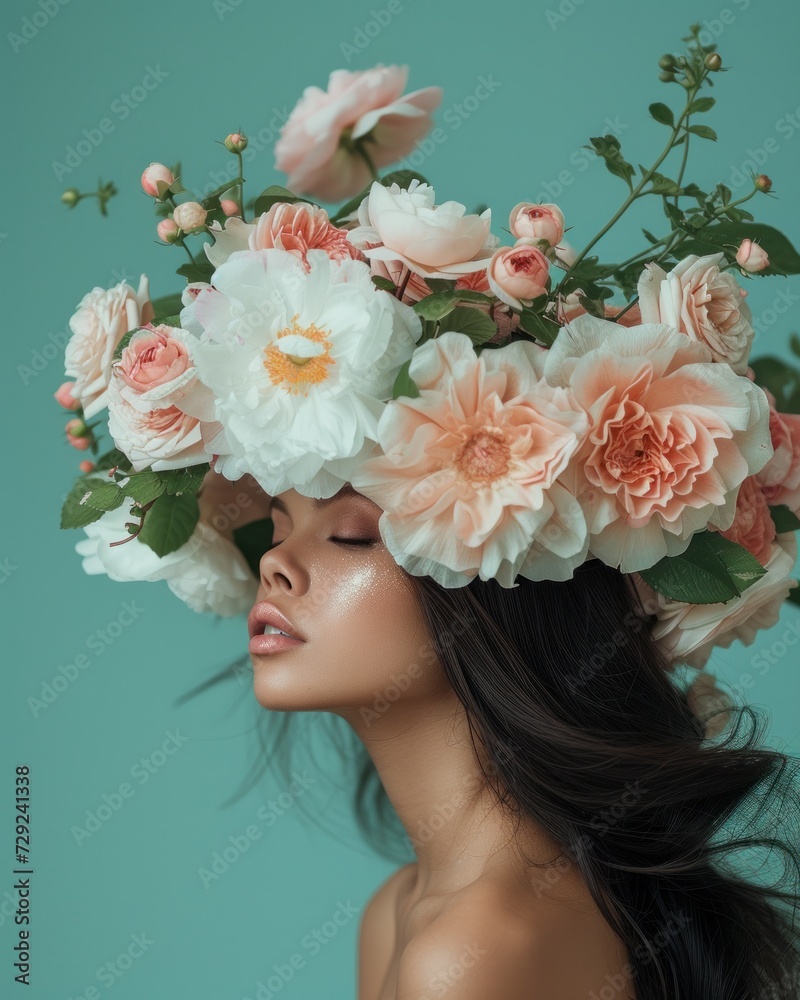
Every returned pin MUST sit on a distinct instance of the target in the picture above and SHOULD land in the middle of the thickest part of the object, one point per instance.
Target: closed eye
(339, 541)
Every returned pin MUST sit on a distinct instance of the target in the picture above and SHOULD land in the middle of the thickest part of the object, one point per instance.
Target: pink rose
(672, 437)
(433, 241)
(103, 317)
(152, 175)
(468, 478)
(155, 402)
(687, 633)
(780, 477)
(707, 304)
(539, 222)
(752, 526)
(517, 275)
(316, 145)
(751, 257)
(300, 228)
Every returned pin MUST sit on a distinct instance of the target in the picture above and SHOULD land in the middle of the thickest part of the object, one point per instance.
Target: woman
(546, 769)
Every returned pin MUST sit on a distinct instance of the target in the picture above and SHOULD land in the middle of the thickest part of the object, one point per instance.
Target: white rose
(103, 317)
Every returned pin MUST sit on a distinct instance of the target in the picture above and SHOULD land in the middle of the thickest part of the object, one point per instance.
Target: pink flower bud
(168, 230)
(81, 443)
(541, 222)
(751, 257)
(236, 142)
(86, 466)
(189, 215)
(76, 428)
(229, 206)
(63, 395)
(763, 183)
(152, 175)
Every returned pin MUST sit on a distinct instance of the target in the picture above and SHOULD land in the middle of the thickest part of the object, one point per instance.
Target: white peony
(208, 573)
(300, 363)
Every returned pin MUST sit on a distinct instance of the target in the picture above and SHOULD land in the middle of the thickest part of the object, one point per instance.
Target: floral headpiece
(507, 422)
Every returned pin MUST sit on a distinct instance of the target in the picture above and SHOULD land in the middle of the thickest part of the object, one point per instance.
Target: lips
(265, 613)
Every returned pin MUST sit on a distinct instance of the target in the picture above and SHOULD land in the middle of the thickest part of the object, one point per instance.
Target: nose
(282, 570)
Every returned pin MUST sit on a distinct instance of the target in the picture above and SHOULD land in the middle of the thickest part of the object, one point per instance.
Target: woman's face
(366, 642)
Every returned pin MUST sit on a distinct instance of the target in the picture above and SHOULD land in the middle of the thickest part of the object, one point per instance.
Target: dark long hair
(585, 731)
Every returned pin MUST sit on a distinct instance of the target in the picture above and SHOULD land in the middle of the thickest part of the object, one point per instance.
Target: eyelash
(365, 542)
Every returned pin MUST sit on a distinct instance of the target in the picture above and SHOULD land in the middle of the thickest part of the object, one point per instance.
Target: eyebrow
(318, 503)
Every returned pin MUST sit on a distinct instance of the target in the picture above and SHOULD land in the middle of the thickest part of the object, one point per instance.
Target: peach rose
(780, 477)
(103, 317)
(538, 222)
(517, 275)
(703, 302)
(687, 633)
(152, 175)
(672, 436)
(434, 241)
(752, 527)
(155, 401)
(297, 227)
(316, 145)
(468, 476)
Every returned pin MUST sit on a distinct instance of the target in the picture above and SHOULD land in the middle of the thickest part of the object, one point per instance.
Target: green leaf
(701, 104)
(726, 236)
(404, 385)
(187, 480)
(383, 283)
(275, 193)
(167, 320)
(440, 284)
(467, 295)
(649, 236)
(201, 271)
(111, 458)
(608, 147)
(253, 540)
(536, 325)
(104, 496)
(662, 114)
(477, 325)
(167, 305)
(784, 518)
(75, 514)
(213, 196)
(711, 570)
(673, 213)
(400, 177)
(144, 486)
(782, 380)
(435, 306)
(663, 185)
(794, 595)
(704, 131)
(693, 191)
(169, 523)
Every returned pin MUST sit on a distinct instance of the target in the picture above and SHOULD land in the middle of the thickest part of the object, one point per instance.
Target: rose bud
(751, 257)
(168, 230)
(152, 175)
(71, 197)
(542, 222)
(81, 443)
(763, 183)
(713, 61)
(229, 206)
(63, 395)
(518, 275)
(189, 215)
(86, 466)
(236, 142)
(76, 428)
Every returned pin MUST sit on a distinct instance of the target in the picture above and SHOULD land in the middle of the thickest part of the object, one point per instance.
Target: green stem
(684, 159)
(359, 146)
(638, 189)
(241, 187)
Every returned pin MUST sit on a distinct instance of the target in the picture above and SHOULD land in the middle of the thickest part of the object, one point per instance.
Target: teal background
(237, 64)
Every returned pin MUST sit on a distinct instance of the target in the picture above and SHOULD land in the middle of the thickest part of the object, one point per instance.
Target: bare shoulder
(485, 945)
(376, 941)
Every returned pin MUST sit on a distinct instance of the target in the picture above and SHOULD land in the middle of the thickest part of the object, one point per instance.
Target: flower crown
(506, 423)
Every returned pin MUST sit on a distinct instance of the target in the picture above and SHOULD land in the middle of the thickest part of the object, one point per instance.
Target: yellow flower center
(299, 357)
(485, 455)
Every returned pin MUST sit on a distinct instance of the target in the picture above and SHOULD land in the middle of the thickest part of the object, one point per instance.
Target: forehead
(347, 492)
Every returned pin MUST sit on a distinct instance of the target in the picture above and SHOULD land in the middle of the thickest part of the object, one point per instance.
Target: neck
(429, 768)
